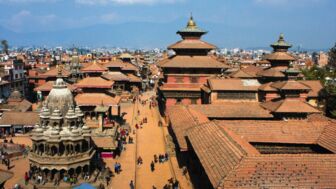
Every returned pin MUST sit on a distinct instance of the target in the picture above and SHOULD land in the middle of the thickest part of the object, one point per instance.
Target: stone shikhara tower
(62, 144)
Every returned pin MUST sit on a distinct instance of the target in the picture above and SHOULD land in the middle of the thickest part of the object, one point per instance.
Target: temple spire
(281, 44)
(191, 30)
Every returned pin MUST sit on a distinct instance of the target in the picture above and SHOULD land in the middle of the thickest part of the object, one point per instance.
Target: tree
(332, 57)
(4, 44)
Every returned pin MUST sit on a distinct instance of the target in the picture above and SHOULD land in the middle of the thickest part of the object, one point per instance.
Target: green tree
(331, 87)
(4, 44)
(332, 57)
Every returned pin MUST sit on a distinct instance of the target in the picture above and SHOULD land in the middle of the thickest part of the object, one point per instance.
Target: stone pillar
(100, 122)
(119, 111)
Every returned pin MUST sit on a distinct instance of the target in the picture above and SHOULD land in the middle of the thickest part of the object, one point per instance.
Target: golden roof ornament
(191, 22)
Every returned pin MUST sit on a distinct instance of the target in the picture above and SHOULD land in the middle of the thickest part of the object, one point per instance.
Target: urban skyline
(143, 23)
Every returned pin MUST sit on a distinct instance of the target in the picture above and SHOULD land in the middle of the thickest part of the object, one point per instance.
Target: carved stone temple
(62, 144)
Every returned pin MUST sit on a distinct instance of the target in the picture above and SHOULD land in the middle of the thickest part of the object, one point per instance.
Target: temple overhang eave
(59, 162)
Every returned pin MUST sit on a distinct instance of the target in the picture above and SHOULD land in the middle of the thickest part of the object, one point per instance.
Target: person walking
(131, 185)
(152, 165)
(139, 160)
(26, 178)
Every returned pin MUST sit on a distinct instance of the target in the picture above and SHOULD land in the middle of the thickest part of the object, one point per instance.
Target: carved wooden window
(179, 79)
(193, 101)
(236, 95)
(194, 79)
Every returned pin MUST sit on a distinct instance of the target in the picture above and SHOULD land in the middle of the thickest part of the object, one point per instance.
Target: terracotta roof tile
(133, 78)
(295, 132)
(280, 56)
(267, 87)
(219, 150)
(94, 82)
(191, 44)
(289, 106)
(95, 99)
(270, 72)
(181, 118)
(105, 142)
(232, 110)
(19, 118)
(49, 85)
(230, 161)
(284, 171)
(94, 67)
(53, 72)
(115, 76)
(248, 72)
(327, 138)
(228, 84)
(315, 86)
(289, 85)
(192, 62)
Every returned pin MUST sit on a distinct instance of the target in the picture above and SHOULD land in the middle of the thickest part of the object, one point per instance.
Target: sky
(309, 24)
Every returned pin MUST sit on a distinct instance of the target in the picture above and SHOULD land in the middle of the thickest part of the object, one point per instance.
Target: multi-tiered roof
(191, 51)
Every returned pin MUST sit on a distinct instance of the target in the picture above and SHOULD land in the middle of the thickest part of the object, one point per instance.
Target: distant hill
(150, 35)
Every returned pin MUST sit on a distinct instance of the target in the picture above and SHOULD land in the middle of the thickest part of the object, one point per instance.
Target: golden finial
(191, 22)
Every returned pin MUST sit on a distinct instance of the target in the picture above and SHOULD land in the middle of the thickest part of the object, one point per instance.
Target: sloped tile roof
(191, 44)
(233, 110)
(270, 72)
(115, 76)
(289, 106)
(248, 72)
(289, 85)
(219, 150)
(280, 56)
(230, 161)
(294, 132)
(315, 86)
(327, 138)
(94, 67)
(95, 99)
(192, 62)
(181, 119)
(284, 171)
(53, 72)
(49, 85)
(19, 118)
(228, 84)
(94, 82)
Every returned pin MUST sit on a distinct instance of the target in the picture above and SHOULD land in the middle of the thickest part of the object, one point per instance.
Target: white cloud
(279, 2)
(26, 21)
(28, 1)
(124, 2)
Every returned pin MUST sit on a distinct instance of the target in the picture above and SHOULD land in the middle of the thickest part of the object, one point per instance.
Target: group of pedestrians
(161, 158)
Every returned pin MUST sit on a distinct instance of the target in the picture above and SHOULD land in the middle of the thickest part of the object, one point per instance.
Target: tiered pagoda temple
(280, 61)
(187, 70)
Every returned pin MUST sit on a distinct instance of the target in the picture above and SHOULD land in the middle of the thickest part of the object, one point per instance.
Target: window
(178, 79)
(193, 79)
(178, 101)
(16, 76)
(193, 101)
(292, 94)
(236, 95)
